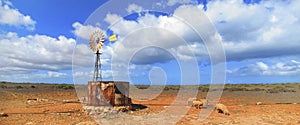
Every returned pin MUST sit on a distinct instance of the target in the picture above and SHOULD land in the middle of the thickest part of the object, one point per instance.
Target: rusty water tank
(108, 93)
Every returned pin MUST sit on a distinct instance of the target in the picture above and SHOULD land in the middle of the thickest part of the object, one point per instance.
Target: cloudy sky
(163, 42)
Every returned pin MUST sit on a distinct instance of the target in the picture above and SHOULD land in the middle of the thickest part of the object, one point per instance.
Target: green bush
(203, 88)
(19, 87)
(142, 86)
(273, 91)
(4, 82)
(3, 86)
(65, 86)
(172, 88)
(289, 86)
(235, 89)
(257, 89)
(279, 89)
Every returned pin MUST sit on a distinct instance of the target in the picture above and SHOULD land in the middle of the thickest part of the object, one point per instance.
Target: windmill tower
(96, 44)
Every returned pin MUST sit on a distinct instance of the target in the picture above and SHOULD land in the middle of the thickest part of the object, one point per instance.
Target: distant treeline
(5, 82)
(27, 85)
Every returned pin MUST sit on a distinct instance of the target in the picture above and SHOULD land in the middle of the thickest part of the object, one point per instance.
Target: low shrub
(19, 87)
(288, 86)
(279, 89)
(172, 88)
(203, 89)
(235, 89)
(142, 86)
(257, 89)
(65, 86)
(3, 86)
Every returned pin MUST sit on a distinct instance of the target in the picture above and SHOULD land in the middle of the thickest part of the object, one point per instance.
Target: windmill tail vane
(113, 38)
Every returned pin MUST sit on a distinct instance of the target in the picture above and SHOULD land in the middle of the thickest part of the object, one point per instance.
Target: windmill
(96, 44)
(105, 93)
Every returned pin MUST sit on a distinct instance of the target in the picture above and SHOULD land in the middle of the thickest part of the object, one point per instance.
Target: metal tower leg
(97, 76)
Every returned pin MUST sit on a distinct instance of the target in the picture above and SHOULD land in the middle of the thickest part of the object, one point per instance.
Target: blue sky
(260, 41)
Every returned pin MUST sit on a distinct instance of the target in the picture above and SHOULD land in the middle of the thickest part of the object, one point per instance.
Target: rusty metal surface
(93, 93)
(108, 92)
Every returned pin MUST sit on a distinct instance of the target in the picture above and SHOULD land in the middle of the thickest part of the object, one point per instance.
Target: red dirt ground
(50, 109)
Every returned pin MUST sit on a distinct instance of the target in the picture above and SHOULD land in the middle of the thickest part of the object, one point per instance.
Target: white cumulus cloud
(173, 2)
(34, 53)
(13, 17)
(248, 31)
(158, 31)
(286, 68)
(84, 31)
(252, 31)
(133, 8)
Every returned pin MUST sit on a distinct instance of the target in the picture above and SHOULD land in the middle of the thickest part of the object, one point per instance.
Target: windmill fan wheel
(97, 40)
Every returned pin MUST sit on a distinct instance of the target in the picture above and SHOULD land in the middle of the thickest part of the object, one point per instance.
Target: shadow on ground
(135, 107)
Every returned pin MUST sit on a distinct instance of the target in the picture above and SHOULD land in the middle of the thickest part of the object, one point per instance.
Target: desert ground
(34, 104)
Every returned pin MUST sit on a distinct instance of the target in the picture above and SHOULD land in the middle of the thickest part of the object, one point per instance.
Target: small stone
(3, 115)
(259, 103)
(87, 123)
(44, 100)
(114, 111)
(105, 110)
(88, 110)
(29, 123)
(92, 112)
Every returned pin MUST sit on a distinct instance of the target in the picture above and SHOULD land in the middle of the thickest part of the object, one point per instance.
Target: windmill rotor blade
(98, 46)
